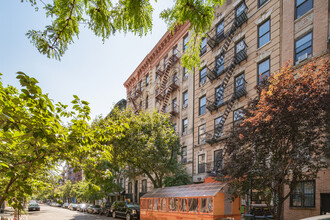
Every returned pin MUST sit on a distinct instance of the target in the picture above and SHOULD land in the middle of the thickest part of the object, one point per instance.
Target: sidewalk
(9, 215)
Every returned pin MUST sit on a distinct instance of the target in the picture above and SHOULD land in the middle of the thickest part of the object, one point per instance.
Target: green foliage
(106, 17)
(179, 177)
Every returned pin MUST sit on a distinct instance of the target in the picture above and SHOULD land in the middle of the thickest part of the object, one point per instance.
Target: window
(144, 186)
(261, 2)
(165, 62)
(220, 29)
(185, 43)
(184, 126)
(202, 76)
(303, 195)
(217, 160)
(184, 154)
(147, 102)
(174, 105)
(203, 46)
(201, 163)
(263, 70)
(155, 204)
(185, 73)
(174, 126)
(129, 188)
(239, 84)
(303, 6)
(185, 99)
(219, 66)
(238, 117)
(175, 77)
(217, 129)
(193, 204)
(173, 204)
(141, 85)
(303, 47)
(202, 105)
(183, 205)
(149, 204)
(264, 33)
(201, 134)
(218, 95)
(240, 9)
(207, 205)
(147, 79)
(175, 50)
(240, 46)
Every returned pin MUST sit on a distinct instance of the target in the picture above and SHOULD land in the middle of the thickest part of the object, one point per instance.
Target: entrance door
(325, 203)
(136, 191)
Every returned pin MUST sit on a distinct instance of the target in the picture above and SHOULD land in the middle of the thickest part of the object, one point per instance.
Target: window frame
(203, 107)
(185, 73)
(269, 32)
(144, 186)
(295, 49)
(201, 136)
(184, 126)
(147, 80)
(241, 86)
(258, 73)
(147, 102)
(185, 44)
(185, 101)
(296, 11)
(261, 4)
(302, 194)
(184, 154)
(198, 163)
(202, 78)
(203, 48)
(218, 35)
(214, 158)
(241, 119)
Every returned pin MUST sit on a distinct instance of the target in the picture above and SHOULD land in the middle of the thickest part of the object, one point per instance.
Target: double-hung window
(147, 79)
(220, 63)
(144, 186)
(240, 9)
(217, 128)
(303, 195)
(220, 30)
(202, 105)
(184, 154)
(201, 134)
(304, 47)
(201, 163)
(203, 46)
(185, 73)
(147, 102)
(239, 84)
(264, 33)
(217, 160)
(202, 76)
(238, 117)
(263, 70)
(185, 43)
(219, 96)
(184, 126)
(303, 6)
(185, 99)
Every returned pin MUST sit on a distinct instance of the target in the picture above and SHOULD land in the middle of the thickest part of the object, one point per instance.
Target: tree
(180, 177)
(32, 137)
(107, 17)
(282, 138)
(146, 144)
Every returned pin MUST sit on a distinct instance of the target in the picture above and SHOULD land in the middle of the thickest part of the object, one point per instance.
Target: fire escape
(215, 102)
(167, 85)
(135, 94)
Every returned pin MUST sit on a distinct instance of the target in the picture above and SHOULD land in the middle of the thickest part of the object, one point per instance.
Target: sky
(92, 69)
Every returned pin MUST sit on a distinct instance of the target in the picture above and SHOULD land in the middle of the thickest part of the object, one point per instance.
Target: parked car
(33, 207)
(65, 205)
(94, 209)
(73, 206)
(105, 209)
(125, 210)
(82, 207)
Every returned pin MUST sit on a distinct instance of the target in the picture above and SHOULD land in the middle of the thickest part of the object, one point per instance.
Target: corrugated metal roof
(195, 190)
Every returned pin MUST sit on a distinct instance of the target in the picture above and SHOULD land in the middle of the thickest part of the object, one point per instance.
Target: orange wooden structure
(197, 201)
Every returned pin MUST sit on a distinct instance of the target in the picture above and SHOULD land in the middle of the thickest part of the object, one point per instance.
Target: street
(55, 213)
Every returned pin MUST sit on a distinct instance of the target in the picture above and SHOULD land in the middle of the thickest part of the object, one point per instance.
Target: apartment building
(249, 40)
(160, 82)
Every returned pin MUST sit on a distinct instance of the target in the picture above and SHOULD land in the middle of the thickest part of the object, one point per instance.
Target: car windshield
(33, 204)
(74, 205)
(133, 206)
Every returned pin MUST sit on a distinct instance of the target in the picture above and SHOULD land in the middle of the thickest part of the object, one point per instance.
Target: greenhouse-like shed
(197, 201)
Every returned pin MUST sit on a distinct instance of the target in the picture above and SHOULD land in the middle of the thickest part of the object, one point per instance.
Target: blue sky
(91, 69)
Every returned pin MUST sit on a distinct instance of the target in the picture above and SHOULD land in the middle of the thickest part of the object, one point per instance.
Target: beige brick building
(248, 40)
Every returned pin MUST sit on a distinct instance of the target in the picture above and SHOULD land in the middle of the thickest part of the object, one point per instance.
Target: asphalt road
(55, 213)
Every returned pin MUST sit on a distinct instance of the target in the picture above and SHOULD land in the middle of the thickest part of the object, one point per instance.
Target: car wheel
(128, 216)
(114, 215)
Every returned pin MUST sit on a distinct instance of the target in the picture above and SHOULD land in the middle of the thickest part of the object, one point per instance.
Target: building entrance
(325, 203)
